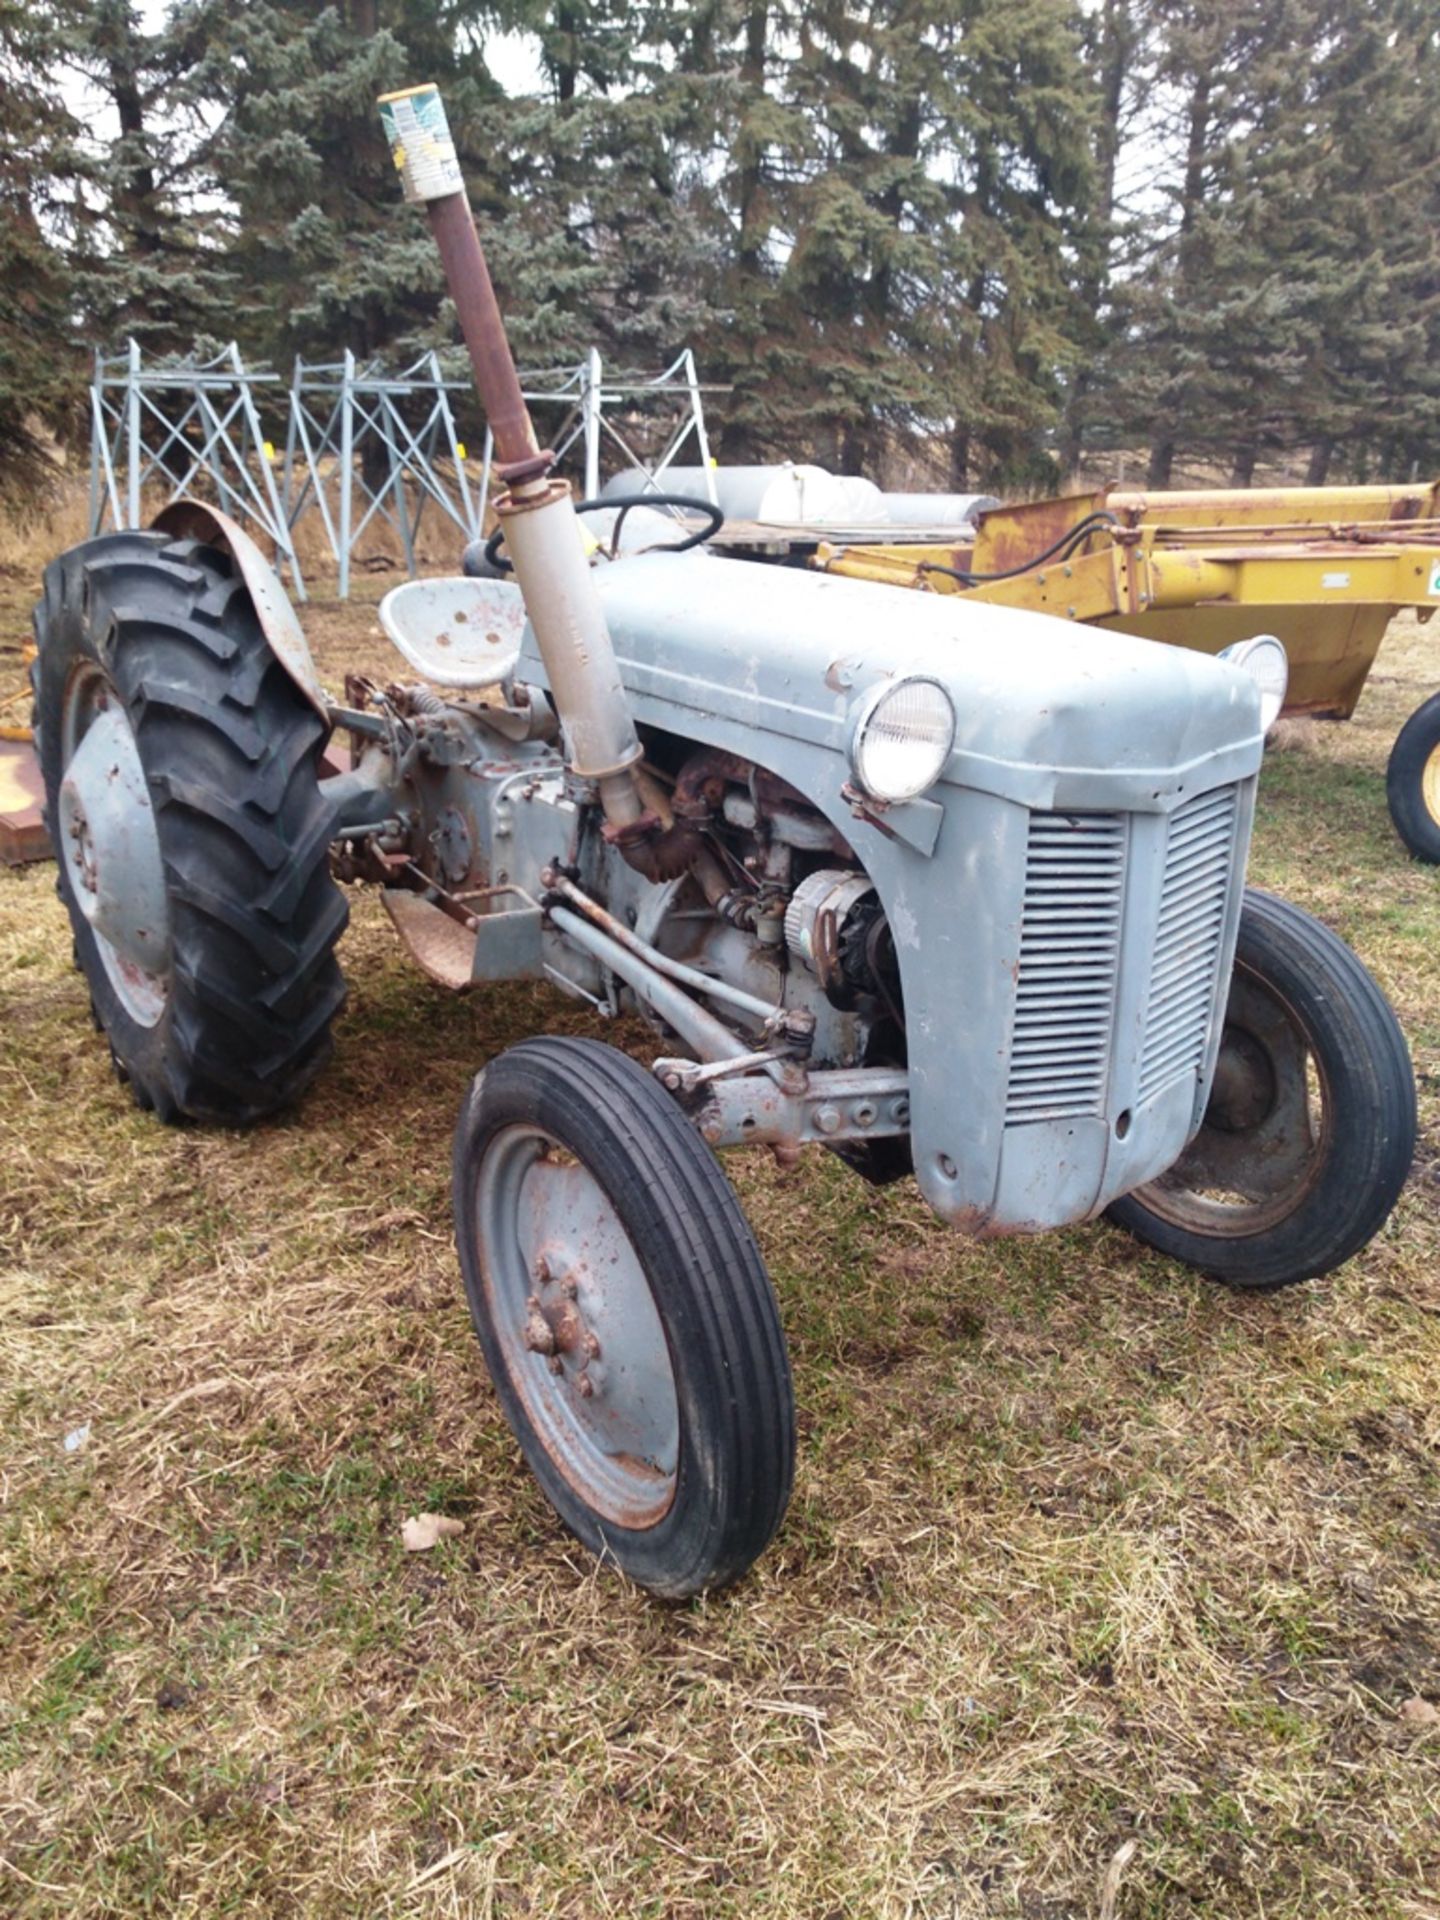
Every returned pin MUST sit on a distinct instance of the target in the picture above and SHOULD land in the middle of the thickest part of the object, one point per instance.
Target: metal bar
(699, 1029)
(132, 421)
(485, 465)
(751, 1109)
(594, 400)
(693, 381)
(764, 1010)
(347, 455)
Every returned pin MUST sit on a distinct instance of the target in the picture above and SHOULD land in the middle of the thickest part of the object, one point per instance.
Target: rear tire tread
(231, 748)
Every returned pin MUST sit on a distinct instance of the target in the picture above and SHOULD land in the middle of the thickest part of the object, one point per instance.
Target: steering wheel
(714, 516)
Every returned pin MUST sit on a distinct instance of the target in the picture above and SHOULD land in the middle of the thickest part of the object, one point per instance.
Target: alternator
(815, 920)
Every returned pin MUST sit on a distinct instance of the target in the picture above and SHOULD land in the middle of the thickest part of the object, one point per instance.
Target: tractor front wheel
(1412, 782)
(181, 789)
(625, 1314)
(1310, 1128)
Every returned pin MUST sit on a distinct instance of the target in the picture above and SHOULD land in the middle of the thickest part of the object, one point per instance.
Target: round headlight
(1263, 658)
(902, 739)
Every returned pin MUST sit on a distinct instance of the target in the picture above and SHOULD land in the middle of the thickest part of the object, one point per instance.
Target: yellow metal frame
(1323, 568)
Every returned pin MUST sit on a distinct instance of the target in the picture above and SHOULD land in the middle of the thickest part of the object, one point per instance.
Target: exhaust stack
(541, 528)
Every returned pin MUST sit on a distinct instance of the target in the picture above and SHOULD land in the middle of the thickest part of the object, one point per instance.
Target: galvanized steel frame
(335, 408)
(185, 423)
(585, 391)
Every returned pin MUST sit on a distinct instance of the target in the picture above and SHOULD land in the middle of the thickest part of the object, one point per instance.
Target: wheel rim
(1430, 785)
(1266, 1135)
(110, 845)
(578, 1330)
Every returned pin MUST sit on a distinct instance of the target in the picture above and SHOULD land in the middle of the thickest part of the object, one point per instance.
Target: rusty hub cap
(1266, 1131)
(582, 1338)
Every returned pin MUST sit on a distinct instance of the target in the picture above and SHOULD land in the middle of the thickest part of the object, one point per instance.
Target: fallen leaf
(423, 1530)
(1421, 1713)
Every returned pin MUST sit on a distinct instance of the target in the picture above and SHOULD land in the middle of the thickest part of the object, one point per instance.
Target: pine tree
(147, 249)
(323, 255)
(905, 175)
(1289, 302)
(41, 367)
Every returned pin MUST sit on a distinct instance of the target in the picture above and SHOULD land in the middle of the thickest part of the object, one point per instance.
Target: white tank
(936, 509)
(788, 494)
(798, 494)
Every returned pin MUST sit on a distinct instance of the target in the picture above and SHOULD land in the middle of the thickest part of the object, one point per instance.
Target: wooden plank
(22, 829)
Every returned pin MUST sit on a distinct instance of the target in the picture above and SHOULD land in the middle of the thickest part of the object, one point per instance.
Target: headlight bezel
(862, 725)
(1242, 653)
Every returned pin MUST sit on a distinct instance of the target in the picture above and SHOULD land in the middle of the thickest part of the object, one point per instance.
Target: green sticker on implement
(1435, 577)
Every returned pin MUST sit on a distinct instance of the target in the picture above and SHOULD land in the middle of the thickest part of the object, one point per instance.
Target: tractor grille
(1188, 939)
(1069, 960)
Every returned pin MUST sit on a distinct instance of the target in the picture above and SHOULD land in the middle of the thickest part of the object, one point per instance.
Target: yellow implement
(1322, 568)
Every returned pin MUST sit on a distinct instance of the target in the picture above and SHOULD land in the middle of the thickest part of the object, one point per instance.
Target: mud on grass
(1084, 1552)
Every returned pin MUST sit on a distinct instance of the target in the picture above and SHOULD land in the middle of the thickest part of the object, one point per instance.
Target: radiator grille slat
(1188, 937)
(1069, 959)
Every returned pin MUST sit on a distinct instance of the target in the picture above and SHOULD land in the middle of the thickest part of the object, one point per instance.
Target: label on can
(418, 135)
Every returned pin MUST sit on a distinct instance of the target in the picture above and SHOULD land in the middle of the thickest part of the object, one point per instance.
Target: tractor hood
(1049, 715)
(1100, 792)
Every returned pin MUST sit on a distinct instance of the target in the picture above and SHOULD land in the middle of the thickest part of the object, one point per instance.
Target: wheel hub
(1260, 1147)
(111, 849)
(555, 1328)
(1244, 1087)
(587, 1350)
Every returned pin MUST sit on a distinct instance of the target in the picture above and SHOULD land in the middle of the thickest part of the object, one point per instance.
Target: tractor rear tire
(197, 883)
(1412, 782)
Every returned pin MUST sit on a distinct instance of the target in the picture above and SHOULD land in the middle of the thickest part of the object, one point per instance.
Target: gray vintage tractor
(903, 877)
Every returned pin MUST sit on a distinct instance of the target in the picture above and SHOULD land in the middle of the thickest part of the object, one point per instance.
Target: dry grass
(1100, 1594)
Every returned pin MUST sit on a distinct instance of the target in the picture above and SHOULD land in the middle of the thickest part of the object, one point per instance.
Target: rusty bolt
(555, 1363)
(542, 1270)
(570, 1287)
(711, 1131)
(584, 1386)
(591, 1346)
(827, 1119)
(539, 1334)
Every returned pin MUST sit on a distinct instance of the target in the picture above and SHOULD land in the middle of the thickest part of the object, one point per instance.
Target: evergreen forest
(979, 243)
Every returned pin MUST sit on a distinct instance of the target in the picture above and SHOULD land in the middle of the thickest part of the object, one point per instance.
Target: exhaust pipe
(541, 528)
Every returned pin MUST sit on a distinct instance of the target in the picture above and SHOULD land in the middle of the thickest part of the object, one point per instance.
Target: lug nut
(539, 1334)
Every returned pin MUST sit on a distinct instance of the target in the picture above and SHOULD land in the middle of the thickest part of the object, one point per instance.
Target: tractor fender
(197, 520)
